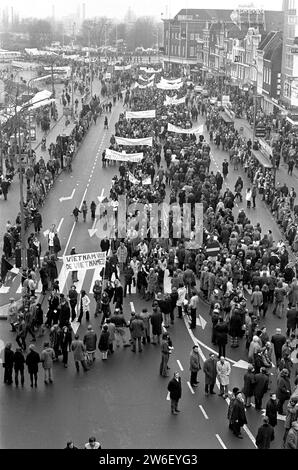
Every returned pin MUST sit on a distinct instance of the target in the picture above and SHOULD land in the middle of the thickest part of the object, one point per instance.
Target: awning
(264, 162)
(226, 118)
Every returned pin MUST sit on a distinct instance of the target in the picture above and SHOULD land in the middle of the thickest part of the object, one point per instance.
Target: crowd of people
(238, 269)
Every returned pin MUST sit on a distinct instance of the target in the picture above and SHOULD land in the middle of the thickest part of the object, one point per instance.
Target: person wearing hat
(265, 434)
(237, 413)
(12, 313)
(249, 384)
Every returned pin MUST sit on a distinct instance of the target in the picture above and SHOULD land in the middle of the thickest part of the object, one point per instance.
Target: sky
(118, 8)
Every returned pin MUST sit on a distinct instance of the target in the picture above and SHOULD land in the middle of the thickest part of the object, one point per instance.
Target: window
(191, 51)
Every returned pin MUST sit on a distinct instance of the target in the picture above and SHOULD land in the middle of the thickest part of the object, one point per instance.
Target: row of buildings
(252, 48)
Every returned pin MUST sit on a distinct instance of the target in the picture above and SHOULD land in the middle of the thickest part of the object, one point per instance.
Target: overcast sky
(118, 8)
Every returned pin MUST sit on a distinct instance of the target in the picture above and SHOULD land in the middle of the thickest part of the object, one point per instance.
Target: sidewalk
(282, 173)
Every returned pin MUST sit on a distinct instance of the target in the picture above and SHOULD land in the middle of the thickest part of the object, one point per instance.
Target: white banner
(137, 85)
(84, 261)
(123, 157)
(179, 130)
(134, 180)
(149, 113)
(125, 141)
(171, 81)
(122, 67)
(150, 70)
(173, 101)
(169, 86)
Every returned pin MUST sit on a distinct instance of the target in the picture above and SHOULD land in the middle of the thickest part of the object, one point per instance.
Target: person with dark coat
(221, 336)
(44, 277)
(292, 319)
(37, 220)
(261, 387)
(52, 269)
(209, 369)
(64, 312)
(237, 416)
(249, 384)
(271, 410)
(32, 361)
(265, 434)
(57, 245)
(283, 391)
(278, 340)
(65, 343)
(194, 366)
(8, 364)
(175, 389)
(103, 343)
(18, 363)
(137, 331)
(165, 355)
(156, 323)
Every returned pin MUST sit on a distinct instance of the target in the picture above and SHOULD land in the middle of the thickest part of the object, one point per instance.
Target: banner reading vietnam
(169, 86)
(179, 130)
(84, 261)
(122, 67)
(125, 141)
(149, 113)
(123, 157)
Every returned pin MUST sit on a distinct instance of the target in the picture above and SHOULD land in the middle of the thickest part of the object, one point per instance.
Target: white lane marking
(132, 307)
(203, 411)
(190, 388)
(74, 224)
(220, 441)
(179, 364)
(60, 223)
(210, 349)
(168, 396)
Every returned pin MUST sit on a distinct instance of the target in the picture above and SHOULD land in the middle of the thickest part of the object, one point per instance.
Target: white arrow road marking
(200, 321)
(190, 387)
(203, 411)
(75, 326)
(132, 307)
(168, 396)
(220, 441)
(67, 198)
(100, 198)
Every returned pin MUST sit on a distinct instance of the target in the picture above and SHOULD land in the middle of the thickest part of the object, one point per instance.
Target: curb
(53, 127)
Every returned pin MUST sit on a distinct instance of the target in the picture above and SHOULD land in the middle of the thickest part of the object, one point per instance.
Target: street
(123, 401)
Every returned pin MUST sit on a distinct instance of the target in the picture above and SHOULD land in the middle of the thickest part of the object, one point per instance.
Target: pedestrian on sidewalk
(175, 389)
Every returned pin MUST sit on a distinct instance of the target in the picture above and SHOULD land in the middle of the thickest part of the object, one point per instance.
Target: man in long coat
(175, 389)
(238, 417)
(210, 372)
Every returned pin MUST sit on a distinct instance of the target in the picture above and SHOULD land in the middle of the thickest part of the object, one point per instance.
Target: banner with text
(133, 142)
(123, 157)
(134, 180)
(169, 86)
(149, 113)
(173, 101)
(137, 85)
(84, 261)
(179, 130)
(122, 67)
